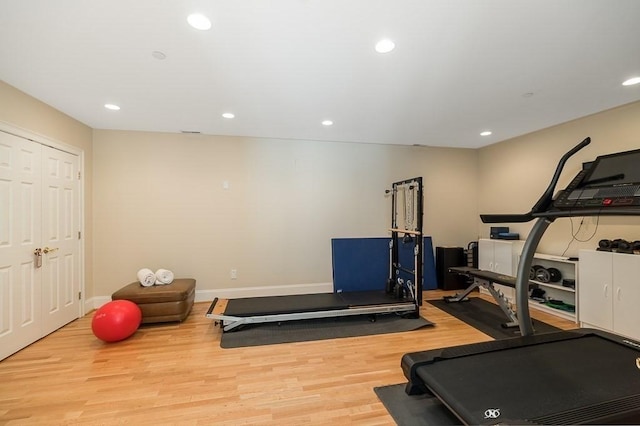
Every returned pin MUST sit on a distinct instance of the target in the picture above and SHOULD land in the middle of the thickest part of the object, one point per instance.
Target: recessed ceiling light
(385, 46)
(199, 21)
(228, 115)
(485, 133)
(112, 107)
(327, 123)
(158, 55)
(631, 81)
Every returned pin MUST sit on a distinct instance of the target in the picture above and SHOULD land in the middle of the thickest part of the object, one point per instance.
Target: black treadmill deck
(300, 303)
(551, 385)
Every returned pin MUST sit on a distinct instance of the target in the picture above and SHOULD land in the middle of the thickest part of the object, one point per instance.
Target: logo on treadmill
(492, 413)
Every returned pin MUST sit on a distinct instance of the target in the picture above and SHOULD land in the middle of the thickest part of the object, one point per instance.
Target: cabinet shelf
(571, 316)
(503, 257)
(553, 258)
(554, 285)
(568, 269)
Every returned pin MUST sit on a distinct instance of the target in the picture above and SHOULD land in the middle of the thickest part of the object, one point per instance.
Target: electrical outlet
(234, 274)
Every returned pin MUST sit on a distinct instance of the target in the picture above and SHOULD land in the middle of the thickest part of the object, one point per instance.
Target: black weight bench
(486, 280)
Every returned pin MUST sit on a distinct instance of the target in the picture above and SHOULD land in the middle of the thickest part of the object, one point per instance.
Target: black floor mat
(319, 329)
(486, 317)
(414, 410)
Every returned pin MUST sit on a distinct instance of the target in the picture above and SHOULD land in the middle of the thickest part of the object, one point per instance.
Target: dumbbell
(604, 245)
(624, 246)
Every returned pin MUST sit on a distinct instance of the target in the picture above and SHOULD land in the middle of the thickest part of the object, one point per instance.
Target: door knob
(47, 250)
(38, 257)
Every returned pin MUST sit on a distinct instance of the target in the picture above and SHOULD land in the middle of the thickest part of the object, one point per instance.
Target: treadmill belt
(299, 303)
(554, 377)
(364, 298)
(272, 305)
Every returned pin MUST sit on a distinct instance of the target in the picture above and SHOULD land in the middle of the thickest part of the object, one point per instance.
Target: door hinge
(78, 175)
(79, 234)
(79, 295)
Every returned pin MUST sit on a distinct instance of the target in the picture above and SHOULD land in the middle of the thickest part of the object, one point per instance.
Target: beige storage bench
(161, 303)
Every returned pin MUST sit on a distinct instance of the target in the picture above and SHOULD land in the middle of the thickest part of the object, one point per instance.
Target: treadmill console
(610, 181)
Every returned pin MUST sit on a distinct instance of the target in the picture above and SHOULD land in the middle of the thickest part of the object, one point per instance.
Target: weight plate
(554, 275)
(543, 275)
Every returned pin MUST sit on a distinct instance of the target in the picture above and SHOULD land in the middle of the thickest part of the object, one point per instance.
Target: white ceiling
(283, 66)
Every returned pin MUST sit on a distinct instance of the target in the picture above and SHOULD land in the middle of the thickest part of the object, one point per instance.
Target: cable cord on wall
(574, 234)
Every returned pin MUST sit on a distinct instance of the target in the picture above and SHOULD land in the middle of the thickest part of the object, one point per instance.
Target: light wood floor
(178, 374)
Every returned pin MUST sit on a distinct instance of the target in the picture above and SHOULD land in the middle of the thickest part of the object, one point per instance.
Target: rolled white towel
(146, 277)
(164, 276)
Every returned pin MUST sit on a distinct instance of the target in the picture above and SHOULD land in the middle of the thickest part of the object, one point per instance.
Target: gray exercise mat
(486, 317)
(319, 329)
(414, 410)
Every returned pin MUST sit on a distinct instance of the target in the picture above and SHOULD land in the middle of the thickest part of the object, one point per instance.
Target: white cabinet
(596, 304)
(554, 275)
(500, 256)
(609, 292)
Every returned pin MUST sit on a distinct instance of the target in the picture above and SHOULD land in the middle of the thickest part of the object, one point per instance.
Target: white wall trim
(39, 138)
(235, 293)
(278, 290)
(94, 303)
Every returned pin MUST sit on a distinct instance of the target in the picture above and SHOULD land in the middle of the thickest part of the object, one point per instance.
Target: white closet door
(39, 209)
(20, 235)
(60, 239)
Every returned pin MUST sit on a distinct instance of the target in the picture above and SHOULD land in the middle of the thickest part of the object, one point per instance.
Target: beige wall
(21, 111)
(513, 174)
(159, 200)
(160, 203)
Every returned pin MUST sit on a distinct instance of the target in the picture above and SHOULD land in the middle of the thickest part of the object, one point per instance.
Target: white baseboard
(95, 302)
(234, 293)
(278, 290)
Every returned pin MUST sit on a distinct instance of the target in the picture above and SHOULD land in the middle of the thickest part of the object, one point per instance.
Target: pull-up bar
(405, 231)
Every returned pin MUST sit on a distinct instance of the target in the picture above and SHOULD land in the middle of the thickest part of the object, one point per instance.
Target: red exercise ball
(116, 320)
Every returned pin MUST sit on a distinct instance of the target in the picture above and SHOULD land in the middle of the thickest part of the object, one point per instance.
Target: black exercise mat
(486, 317)
(318, 329)
(414, 410)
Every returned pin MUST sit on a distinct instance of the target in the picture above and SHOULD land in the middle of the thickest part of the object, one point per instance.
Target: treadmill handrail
(544, 201)
(542, 206)
(547, 197)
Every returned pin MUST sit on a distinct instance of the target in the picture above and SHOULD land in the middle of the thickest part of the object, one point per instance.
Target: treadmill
(234, 313)
(400, 295)
(581, 376)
